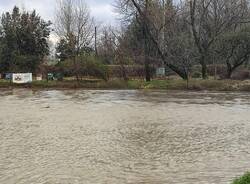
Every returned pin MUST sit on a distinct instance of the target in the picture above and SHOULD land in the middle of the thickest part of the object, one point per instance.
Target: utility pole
(215, 67)
(162, 34)
(146, 44)
(96, 53)
(167, 6)
(163, 25)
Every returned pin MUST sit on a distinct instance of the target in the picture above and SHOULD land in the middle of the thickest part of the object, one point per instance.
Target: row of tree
(25, 45)
(182, 34)
(176, 35)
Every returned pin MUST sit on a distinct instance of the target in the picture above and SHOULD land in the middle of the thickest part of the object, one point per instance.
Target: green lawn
(174, 84)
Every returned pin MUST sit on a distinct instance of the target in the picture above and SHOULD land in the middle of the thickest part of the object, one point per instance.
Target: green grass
(173, 84)
(243, 180)
(4, 83)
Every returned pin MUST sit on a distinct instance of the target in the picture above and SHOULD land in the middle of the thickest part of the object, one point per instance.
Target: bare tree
(122, 55)
(159, 21)
(210, 19)
(171, 25)
(234, 50)
(74, 24)
(130, 13)
(107, 44)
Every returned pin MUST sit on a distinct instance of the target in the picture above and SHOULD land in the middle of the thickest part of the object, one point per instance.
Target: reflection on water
(151, 137)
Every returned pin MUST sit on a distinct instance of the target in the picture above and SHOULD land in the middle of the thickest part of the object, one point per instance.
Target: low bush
(94, 68)
(241, 75)
(132, 71)
(85, 66)
(196, 75)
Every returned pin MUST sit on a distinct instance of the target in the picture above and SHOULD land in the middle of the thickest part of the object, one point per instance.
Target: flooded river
(123, 137)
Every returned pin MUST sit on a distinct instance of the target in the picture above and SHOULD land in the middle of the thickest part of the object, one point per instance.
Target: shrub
(196, 75)
(94, 68)
(132, 71)
(25, 63)
(85, 66)
(241, 75)
(243, 180)
(245, 87)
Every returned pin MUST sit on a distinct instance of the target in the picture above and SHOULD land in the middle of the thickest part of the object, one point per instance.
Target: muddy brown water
(123, 137)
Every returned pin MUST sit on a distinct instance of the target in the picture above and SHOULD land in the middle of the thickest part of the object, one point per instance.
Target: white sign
(160, 71)
(22, 78)
(39, 77)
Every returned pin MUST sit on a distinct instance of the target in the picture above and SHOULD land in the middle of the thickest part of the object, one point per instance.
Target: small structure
(160, 72)
(50, 76)
(39, 77)
(22, 78)
(8, 76)
(55, 76)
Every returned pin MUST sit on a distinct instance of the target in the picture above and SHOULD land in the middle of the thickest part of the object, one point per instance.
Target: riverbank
(245, 179)
(176, 84)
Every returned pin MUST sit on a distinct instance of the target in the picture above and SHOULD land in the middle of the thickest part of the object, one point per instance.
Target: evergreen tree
(24, 38)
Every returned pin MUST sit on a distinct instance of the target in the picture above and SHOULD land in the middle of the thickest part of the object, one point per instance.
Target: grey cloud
(101, 10)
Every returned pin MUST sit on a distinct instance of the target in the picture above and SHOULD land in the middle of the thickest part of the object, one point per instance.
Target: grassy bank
(177, 84)
(243, 180)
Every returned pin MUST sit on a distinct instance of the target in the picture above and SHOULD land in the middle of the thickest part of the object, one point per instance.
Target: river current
(123, 137)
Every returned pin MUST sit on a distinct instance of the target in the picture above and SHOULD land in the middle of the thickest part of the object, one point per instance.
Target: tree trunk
(148, 35)
(77, 77)
(146, 45)
(147, 70)
(76, 70)
(146, 61)
(231, 68)
(203, 67)
(229, 71)
(229, 74)
(124, 73)
(187, 80)
(178, 71)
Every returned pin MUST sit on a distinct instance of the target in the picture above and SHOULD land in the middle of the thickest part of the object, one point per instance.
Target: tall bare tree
(107, 44)
(75, 26)
(210, 19)
(233, 50)
(159, 21)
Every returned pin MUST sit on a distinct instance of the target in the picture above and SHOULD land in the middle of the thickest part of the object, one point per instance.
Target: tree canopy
(23, 38)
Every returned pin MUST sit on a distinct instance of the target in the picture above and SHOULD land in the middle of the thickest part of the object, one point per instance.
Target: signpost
(22, 78)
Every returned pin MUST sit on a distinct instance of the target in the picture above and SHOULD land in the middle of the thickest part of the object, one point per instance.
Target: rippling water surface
(123, 137)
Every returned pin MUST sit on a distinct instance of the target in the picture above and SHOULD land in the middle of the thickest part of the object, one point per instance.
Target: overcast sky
(102, 10)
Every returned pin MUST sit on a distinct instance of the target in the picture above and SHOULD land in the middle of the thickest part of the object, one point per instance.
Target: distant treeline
(211, 34)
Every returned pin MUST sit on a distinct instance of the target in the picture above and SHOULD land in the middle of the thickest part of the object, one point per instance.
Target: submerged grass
(243, 180)
(175, 84)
